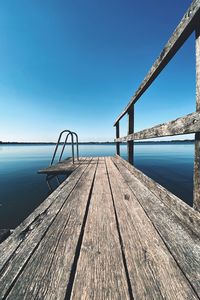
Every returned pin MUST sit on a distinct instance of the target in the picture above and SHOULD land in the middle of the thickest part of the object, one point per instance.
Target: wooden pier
(109, 231)
(104, 234)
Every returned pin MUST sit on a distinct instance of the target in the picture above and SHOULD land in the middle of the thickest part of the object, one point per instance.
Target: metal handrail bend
(71, 133)
(77, 147)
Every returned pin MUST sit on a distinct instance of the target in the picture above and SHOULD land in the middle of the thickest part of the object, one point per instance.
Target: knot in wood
(126, 196)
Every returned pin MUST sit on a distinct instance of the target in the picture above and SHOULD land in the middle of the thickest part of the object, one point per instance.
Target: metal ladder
(69, 133)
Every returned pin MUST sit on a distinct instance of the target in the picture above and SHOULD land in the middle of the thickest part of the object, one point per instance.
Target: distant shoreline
(100, 143)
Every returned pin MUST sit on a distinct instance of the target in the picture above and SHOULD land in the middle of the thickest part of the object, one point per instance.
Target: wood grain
(16, 250)
(100, 272)
(181, 33)
(46, 274)
(8, 247)
(184, 125)
(153, 272)
(183, 244)
(107, 232)
(184, 212)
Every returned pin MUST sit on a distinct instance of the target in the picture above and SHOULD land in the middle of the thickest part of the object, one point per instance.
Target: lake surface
(22, 189)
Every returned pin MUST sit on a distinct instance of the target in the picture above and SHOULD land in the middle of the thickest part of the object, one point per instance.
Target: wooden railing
(184, 125)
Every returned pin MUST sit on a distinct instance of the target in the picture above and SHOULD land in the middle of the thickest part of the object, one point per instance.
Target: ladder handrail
(72, 141)
(77, 146)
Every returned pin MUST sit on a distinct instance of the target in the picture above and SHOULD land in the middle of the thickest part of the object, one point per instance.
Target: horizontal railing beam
(184, 125)
(182, 32)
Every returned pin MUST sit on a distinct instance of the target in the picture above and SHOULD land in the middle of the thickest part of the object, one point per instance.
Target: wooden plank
(100, 272)
(8, 247)
(185, 213)
(130, 144)
(183, 244)
(184, 125)
(63, 167)
(47, 272)
(30, 231)
(182, 32)
(153, 272)
(117, 136)
(196, 200)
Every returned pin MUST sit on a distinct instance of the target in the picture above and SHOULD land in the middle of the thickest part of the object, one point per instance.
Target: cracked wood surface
(100, 272)
(49, 269)
(182, 241)
(153, 271)
(184, 125)
(185, 213)
(103, 234)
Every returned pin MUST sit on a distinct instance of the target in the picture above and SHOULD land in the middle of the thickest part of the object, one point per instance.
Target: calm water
(22, 189)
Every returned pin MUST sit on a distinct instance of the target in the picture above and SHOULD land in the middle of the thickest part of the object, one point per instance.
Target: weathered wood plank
(63, 167)
(47, 272)
(117, 136)
(100, 272)
(196, 199)
(182, 32)
(183, 244)
(130, 144)
(153, 272)
(29, 232)
(184, 125)
(185, 213)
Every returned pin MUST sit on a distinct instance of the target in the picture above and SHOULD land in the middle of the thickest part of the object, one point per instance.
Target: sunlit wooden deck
(103, 234)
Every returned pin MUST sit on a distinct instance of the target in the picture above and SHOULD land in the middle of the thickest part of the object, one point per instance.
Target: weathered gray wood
(64, 167)
(184, 125)
(117, 136)
(30, 232)
(183, 244)
(100, 272)
(185, 213)
(182, 32)
(48, 270)
(196, 199)
(4, 233)
(60, 166)
(96, 232)
(130, 144)
(8, 247)
(153, 272)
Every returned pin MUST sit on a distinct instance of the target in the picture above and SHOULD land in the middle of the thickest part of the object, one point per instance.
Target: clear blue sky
(76, 63)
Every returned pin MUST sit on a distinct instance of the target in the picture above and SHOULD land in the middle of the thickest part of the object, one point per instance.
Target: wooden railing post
(196, 199)
(130, 144)
(117, 136)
